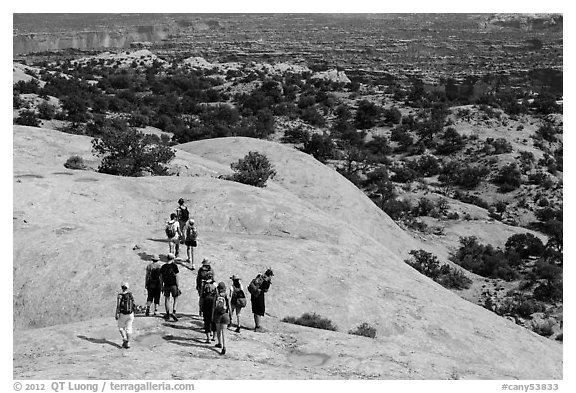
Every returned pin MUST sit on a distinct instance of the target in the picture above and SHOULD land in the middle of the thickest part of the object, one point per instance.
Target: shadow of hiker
(184, 264)
(145, 256)
(190, 342)
(100, 341)
(162, 240)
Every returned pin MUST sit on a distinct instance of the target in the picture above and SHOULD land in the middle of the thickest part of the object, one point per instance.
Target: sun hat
(205, 262)
(191, 221)
(170, 256)
(125, 285)
(235, 277)
(221, 286)
(269, 273)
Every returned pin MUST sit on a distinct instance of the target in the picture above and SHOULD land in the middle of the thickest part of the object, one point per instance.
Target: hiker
(221, 315)
(125, 314)
(152, 284)
(208, 295)
(257, 288)
(182, 213)
(169, 277)
(190, 235)
(174, 234)
(237, 299)
(205, 272)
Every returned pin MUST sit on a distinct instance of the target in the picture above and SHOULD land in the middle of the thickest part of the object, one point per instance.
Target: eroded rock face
(27, 43)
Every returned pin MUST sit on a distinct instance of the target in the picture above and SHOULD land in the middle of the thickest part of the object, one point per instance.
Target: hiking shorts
(236, 309)
(153, 295)
(175, 239)
(171, 290)
(125, 322)
(223, 319)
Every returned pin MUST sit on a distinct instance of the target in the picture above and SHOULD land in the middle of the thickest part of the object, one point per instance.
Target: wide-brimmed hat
(191, 221)
(205, 262)
(170, 256)
(269, 273)
(125, 284)
(235, 277)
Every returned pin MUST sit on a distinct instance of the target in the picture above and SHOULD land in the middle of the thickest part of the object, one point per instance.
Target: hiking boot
(213, 338)
(124, 344)
(258, 329)
(218, 345)
(174, 317)
(166, 317)
(127, 344)
(193, 268)
(223, 351)
(237, 329)
(147, 312)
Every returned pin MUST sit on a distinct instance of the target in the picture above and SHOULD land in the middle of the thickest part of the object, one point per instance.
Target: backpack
(208, 290)
(255, 285)
(169, 276)
(220, 306)
(239, 299)
(206, 274)
(126, 303)
(154, 276)
(170, 232)
(191, 233)
(183, 213)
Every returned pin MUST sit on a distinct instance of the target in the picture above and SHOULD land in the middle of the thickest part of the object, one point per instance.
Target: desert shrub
(424, 207)
(128, 152)
(428, 264)
(320, 146)
(401, 136)
(367, 115)
(311, 320)
(485, 260)
(396, 209)
(403, 174)
(46, 111)
(453, 216)
(508, 178)
(547, 132)
(425, 262)
(75, 162)
(426, 165)
(392, 115)
(450, 142)
(254, 169)
(497, 146)
(365, 330)
(454, 279)
(296, 135)
(472, 199)
(27, 118)
(525, 244)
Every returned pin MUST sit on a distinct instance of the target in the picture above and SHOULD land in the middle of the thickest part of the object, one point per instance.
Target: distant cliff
(27, 43)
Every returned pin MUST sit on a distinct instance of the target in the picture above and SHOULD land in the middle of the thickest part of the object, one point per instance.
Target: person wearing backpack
(169, 278)
(190, 236)
(208, 296)
(152, 284)
(182, 213)
(257, 288)
(125, 314)
(174, 234)
(237, 299)
(204, 274)
(221, 315)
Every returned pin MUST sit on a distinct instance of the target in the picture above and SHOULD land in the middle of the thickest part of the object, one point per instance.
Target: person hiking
(205, 272)
(174, 234)
(208, 295)
(221, 315)
(237, 299)
(169, 278)
(257, 288)
(190, 236)
(125, 314)
(152, 284)
(182, 213)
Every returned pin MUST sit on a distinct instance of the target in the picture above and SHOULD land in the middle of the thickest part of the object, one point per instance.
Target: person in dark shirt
(258, 300)
(152, 284)
(169, 278)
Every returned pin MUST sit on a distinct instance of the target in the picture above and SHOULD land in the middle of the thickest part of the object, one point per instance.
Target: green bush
(454, 279)
(365, 330)
(75, 162)
(27, 118)
(128, 152)
(428, 264)
(311, 320)
(254, 169)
